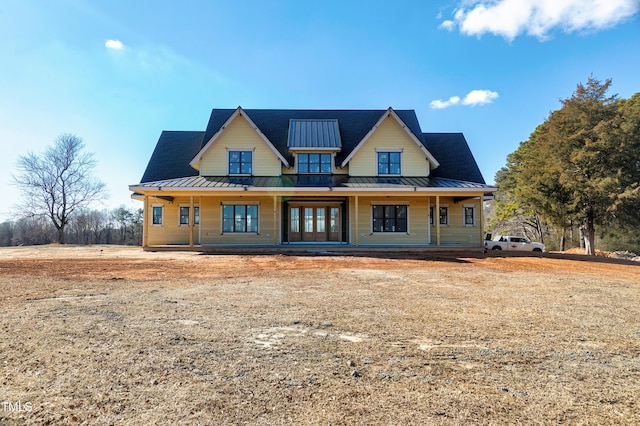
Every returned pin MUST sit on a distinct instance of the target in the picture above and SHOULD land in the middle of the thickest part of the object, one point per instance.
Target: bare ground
(112, 335)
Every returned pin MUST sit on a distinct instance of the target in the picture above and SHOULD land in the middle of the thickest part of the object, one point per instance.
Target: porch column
(192, 215)
(355, 220)
(429, 219)
(436, 219)
(276, 228)
(145, 221)
(481, 219)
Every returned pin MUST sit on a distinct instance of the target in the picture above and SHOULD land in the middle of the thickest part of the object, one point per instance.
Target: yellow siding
(239, 135)
(456, 232)
(390, 135)
(211, 221)
(170, 232)
(359, 228)
(417, 225)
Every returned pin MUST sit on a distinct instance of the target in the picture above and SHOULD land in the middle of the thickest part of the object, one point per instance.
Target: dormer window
(314, 163)
(240, 162)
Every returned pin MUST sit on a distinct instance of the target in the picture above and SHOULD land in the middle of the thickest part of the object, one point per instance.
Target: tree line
(117, 226)
(577, 177)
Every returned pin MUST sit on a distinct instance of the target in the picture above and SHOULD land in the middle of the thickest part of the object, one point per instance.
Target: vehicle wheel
(537, 250)
(496, 248)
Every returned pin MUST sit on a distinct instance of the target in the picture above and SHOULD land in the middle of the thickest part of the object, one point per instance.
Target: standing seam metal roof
(317, 134)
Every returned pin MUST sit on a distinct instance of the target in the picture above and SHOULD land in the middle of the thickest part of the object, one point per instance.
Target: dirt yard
(112, 335)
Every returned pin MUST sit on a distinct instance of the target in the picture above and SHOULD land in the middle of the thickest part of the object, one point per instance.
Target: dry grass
(127, 337)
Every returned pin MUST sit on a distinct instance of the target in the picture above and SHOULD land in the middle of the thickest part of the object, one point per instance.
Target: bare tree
(59, 181)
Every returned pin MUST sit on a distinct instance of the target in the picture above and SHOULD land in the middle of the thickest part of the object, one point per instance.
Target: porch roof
(316, 182)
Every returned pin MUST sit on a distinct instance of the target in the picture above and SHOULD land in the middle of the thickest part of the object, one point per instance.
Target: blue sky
(118, 72)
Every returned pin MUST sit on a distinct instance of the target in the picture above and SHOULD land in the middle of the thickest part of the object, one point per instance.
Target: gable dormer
(314, 143)
(239, 148)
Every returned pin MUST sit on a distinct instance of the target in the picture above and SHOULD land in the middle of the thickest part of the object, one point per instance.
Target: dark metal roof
(311, 181)
(274, 124)
(314, 134)
(455, 158)
(175, 149)
(171, 157)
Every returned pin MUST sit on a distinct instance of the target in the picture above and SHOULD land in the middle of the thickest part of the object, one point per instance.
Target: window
(295, 219)
(314, 163)
(430, 215)
(156, 214)
(240, 162)
(388, 163)
(444, 215)
(240, 218)
(184, 215)
(389, 218)
(469, 216)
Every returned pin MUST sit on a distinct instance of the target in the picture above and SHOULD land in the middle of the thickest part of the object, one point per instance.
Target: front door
(314, 223)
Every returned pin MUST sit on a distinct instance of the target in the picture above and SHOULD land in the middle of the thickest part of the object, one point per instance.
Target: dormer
(314, 143)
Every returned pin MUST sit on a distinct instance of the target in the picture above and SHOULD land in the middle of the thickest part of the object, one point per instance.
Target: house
(271, 177)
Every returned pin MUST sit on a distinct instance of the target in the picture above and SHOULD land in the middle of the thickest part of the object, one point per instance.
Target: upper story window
(314, 163)
(389, 162)
(240, 162)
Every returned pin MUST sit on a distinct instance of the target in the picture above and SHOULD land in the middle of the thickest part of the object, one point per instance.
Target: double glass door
(309, 223)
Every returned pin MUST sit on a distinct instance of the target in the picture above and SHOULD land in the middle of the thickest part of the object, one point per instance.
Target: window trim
(180, 207)
(388, 151)
(445, 206)
(464, 215)
(161, 207)
(230, 150)
(246, 204)
(196, 222)
(190, 215)
(396, 204)
(309, 163)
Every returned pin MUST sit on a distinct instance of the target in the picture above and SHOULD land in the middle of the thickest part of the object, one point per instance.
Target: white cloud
(479, 97)
(511, 18)
(473, 98)
(114, 45)
(447, 25)
(438, 104)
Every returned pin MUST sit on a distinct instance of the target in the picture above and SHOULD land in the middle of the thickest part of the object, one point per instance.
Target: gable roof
(391, 113)
(176, 149)
(210, 141)
(274, 124)
(455, 157)
(172, 154)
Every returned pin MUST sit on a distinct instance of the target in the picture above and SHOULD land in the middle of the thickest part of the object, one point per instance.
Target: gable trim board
(313, 208)
(391, 113)
(195, 163)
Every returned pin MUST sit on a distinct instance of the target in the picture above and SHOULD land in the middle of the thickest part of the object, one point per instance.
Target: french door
(314, 223)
